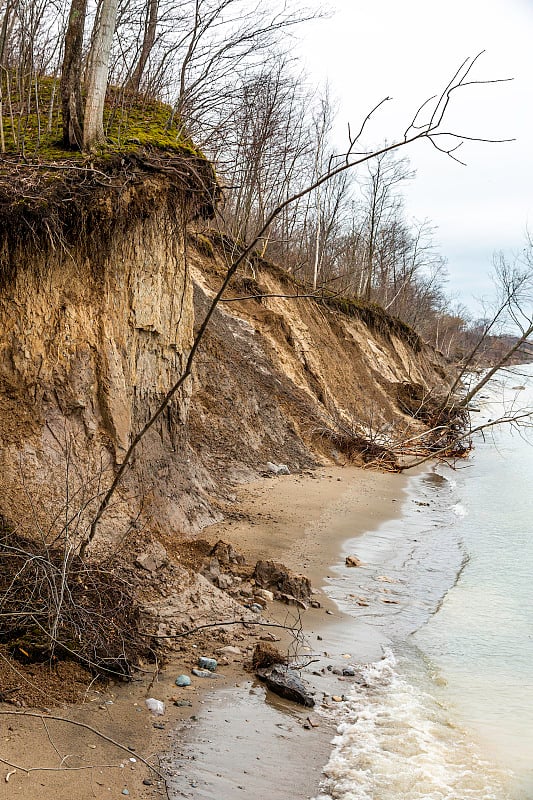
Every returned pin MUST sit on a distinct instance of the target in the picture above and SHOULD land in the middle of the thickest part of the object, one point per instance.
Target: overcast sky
(409, 49)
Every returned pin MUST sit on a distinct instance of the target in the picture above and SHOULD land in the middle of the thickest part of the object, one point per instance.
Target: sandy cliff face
(88, 348)
(86, 352)
(289, 380)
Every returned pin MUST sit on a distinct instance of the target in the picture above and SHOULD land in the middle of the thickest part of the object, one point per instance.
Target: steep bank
(98, 312)
(97, 321)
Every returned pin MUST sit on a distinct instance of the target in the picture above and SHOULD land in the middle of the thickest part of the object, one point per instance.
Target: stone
(183, 680)
(290, 600)
(353, 561)
(226, 554)
(207, 663)
(256, 608)
(336, 698)
(203, 673)
(224, 581)
(286, 683)
(272, 575)
(277, 469)
(213, 569)
(269, 637)
(153, 558)
(265, 595)
(230, 650)
(349, 672)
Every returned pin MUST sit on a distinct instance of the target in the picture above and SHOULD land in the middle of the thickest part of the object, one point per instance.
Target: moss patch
(33, 122)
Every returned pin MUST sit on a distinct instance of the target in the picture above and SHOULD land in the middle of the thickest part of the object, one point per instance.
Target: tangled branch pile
(54, 605)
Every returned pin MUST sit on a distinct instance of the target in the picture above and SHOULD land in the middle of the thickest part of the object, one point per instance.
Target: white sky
(409, 49)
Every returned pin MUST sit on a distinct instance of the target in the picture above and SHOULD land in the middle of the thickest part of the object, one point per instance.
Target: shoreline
(244, 739)
(302, 520)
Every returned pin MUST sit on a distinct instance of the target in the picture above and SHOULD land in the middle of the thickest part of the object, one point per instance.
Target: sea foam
(395, 742)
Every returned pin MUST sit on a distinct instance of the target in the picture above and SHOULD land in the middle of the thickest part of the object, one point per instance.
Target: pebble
(230, 650)
(183, 680)
(336, 698)
(125, 791)
(147, 782)
(203, 673)
(207, 663)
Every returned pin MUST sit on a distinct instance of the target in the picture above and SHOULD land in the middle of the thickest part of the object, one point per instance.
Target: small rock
(336, 698)
(183, 680)
(147, 782)
(256, 608)
(286, 683)
(207, 663)
(226, 554)
(349, 672)
(182, 703)
(125, 791)
(155, 706)
(230, 650)
(203, 673)
(272, 575)
(269, 637)
(315, 604)
(278, 469)
(353, 561)
(224, 581)
(264, 594)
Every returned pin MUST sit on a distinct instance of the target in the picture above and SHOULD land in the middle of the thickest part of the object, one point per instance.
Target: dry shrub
(55, 606)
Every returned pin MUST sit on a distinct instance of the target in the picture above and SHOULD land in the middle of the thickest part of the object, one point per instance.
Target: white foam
(395, 743)
(459, 510)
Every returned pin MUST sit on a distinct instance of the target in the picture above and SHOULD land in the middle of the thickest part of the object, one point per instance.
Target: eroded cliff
(96, 325)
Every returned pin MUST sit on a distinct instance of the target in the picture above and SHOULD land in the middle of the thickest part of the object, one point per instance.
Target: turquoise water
(447, 713)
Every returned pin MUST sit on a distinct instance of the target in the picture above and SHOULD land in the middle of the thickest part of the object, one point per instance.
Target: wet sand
(235, 739)
(246, 742)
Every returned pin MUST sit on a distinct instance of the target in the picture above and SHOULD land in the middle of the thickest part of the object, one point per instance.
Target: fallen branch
(83, 725)
(244, 622)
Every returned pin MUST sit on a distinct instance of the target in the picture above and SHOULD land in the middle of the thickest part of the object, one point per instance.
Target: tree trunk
(93, 128)
(150, 28)
(71, 100)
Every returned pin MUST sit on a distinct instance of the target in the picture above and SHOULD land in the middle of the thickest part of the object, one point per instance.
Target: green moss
(32, 123)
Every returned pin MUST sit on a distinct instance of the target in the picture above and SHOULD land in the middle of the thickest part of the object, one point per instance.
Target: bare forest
(221, 73)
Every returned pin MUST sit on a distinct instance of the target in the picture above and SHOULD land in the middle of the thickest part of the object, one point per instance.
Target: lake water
(448, 711)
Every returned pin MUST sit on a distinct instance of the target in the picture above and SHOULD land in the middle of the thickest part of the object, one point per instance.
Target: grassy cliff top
(32, 123)
(51, 196)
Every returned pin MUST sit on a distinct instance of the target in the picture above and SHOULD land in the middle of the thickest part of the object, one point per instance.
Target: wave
(396, 741)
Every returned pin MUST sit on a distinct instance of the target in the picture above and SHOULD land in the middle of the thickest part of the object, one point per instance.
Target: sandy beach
(228, 737)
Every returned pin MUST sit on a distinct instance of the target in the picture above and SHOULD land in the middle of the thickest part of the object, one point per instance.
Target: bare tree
(98, 73)
(71, 76)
